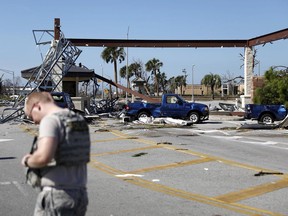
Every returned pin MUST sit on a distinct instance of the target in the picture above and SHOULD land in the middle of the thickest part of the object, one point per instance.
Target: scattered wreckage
(164, 121)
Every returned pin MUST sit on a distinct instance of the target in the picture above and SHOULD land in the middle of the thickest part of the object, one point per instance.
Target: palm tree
(153, 66)
(134, 69)
(180, 82)
(162, 79)
(112, 54)
(123, 74)
(171, 85)
(212, 80)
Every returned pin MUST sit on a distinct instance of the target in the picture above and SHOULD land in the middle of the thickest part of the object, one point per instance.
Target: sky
(149, 19)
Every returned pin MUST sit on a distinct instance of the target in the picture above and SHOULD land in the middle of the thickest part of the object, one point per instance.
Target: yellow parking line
(253, 191)
(124, 151)
(219, 159)
(247, 210)
(225, 201)
(108, 140)
(186, 151)
(172, 165)
(119, 133)
(29, 130)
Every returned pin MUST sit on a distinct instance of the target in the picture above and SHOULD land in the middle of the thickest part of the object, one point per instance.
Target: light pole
(127, 68)
(184, 71)
(192, 92)
(102, 84)
(10, 72)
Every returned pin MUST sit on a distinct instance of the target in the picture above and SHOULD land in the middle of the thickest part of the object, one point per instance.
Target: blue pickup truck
(265, 114)
(172, 105)
(63, 100)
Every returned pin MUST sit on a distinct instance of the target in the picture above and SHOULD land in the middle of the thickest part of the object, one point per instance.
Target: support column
(56, 71)
(56, 29)
(248, 75)
(56, 77)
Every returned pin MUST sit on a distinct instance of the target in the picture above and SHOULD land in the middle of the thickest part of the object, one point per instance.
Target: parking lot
(213, 168)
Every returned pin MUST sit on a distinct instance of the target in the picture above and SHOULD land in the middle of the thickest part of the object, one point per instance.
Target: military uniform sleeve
(50, 126)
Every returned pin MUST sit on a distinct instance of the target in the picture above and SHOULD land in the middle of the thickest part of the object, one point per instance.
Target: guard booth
(139, 85)
(69, 84)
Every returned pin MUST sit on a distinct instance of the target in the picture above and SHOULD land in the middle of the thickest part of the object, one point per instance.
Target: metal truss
(58, 60)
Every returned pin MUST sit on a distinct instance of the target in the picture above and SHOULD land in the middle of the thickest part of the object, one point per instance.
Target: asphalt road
(209, 169)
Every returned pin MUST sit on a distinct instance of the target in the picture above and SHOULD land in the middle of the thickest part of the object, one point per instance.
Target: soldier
(57, 164)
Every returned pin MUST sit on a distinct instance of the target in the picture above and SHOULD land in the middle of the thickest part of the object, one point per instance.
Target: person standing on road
(59, 159)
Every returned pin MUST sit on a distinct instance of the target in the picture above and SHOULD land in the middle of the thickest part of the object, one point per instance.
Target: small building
(70, 82)
(138, 84)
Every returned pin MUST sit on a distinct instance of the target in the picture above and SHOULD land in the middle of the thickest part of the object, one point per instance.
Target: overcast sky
(149, 19)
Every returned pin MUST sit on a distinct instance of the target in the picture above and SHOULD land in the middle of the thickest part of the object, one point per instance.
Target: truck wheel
(143, 114)
(266, 118)
(194, 117)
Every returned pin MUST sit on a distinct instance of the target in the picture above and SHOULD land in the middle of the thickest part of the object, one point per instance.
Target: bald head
(35, 98)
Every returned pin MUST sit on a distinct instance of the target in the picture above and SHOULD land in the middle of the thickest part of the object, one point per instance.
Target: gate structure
(61, 55)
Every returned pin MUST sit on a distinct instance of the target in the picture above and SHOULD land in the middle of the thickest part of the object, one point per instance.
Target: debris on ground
(167, 120)
(139, 154)
(279, 125)
(259, 126)
(164, 143)
(261, 173)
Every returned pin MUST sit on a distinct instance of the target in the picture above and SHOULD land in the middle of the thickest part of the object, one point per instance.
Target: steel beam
(157, 43)
(282, 34)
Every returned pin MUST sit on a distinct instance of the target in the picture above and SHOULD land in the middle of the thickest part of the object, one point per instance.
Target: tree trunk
(115, 75)
(156, 84)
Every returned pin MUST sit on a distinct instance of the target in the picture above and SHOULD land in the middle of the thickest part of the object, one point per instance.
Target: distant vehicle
(63, 100)
(172, 105)
(265, 114)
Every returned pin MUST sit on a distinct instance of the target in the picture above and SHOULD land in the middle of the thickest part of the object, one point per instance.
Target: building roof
(74, 71)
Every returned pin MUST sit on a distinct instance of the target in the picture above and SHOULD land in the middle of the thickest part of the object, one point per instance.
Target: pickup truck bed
(265, 114)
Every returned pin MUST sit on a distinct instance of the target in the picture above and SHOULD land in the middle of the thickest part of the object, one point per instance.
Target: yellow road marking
(29, 130)
(172, 165)
(253, 191)
(247, 210)
(229, 162)
(108, 140)
(126, 150)
(227, 201)
(119, 133)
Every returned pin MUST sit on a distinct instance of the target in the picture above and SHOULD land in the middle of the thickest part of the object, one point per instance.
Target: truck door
(171, 107)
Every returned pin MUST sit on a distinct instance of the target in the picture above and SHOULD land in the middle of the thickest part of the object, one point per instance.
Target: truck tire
(194, 117)
(143, 114)
(266, 118)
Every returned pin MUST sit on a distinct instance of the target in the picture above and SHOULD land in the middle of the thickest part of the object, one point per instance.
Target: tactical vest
(74, 149)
